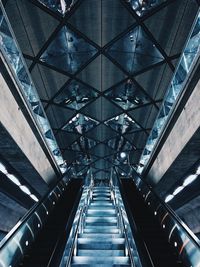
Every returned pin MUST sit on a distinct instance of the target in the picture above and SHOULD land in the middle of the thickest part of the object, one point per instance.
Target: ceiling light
(25, 189)
(178, 190)
(190, 179)
(14, 179)
(85, 98)
(118, 99)
(198, 171)
(34, 198)
(123, 155)
(67, 101)
(3, 168)
(168, 198)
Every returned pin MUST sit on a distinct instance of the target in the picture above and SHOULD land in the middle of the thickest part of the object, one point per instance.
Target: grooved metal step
(100, 260)
(100, 252)
(101, 244)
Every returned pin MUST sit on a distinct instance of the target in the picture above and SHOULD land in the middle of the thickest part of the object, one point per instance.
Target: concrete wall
(185, 127)
(13, 119)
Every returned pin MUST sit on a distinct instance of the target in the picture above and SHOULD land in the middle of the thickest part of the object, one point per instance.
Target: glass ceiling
(142, 7)
(135, 51)
(68, 51)
(131, 72)
(80, 124)
(123, 124)
(75, 95)
(127, 95)
(60, 6)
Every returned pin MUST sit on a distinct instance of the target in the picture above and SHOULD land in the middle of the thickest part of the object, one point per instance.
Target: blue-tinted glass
(142, 7)
(119, 144)
(61, 6)
(123, 124)
(75, 95)
(127, 95)
(83, 144)
(80, 124)
(135, 51)
(68, 51)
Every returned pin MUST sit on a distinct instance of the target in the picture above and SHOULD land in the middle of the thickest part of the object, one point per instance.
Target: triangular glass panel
(75, 95)
(119, 144)
(80, 124)
(127, 95)
(84, 159)
(143, 7)
(135, 51)
(61, 6)
(123, 124)
(83, 144)
(68, 51)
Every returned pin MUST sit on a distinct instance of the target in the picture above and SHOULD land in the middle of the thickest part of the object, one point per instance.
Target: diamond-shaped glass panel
(142, 7)
(135, 51)
(119, 144)
(68, 51)
(123, 124)
(75, 95)
(83, 144)
(127, 95)
(83, 159)
(61, 6)
(80, 124)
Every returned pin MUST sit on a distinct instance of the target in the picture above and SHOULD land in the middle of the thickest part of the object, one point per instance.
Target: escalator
(101, 241)
(160, 250)
(42, 252)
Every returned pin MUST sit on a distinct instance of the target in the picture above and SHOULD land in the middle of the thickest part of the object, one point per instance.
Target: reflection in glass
(80, 124)
(127, 95)
(61, 6)
(68, 51)
(75, 95)
(119, 144)
(83, 144)
(142, 7)
(190, 53)
(123, 124)
(135, 51)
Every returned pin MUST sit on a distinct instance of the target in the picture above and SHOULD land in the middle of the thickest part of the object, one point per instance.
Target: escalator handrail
(118, 208)
(23, 220)
(133, 225)
(82, 211)
(174, 216)
(67, 228)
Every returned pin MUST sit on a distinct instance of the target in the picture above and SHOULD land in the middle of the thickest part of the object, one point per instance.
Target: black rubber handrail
(148, 262)
(174, 216)
(67, 229)
(118, 208)
(9, 236)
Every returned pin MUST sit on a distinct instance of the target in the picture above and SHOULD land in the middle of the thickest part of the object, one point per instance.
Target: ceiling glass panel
(127, 95)
(80, 124)
(68, 51)
(119, 143)
(142, 7)
(135, 51)
(123, 124)
(75, 95)
(61, 6)
(83, 144)
(85, 159)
